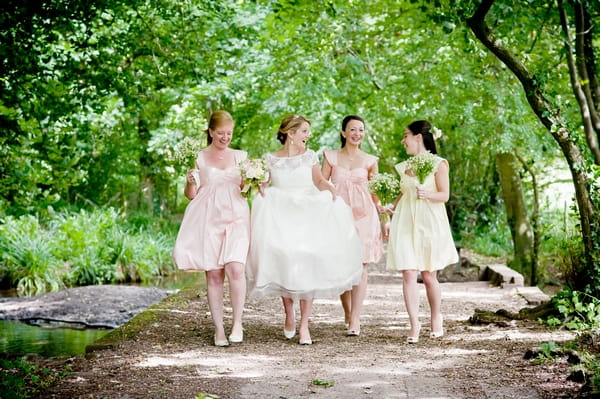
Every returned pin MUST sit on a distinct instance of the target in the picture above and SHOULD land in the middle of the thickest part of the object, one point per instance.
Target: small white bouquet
(386, 187)
(185, 153)
(254, 171)
(422, 165)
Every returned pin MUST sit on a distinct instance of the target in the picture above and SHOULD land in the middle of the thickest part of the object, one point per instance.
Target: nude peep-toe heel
(436, 334)
(413, 339)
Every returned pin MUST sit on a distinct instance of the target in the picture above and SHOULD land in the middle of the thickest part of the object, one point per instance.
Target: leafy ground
(167, 352)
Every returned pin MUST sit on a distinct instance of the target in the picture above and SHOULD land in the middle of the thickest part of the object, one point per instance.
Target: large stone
(502, 275)
(99, 306)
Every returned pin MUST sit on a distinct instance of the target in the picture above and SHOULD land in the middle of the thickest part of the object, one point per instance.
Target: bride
(303, 241)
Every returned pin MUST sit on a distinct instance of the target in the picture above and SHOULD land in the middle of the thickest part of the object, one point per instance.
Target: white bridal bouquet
(386, 187)
(422, 165)
(254, 171)
(185, 153)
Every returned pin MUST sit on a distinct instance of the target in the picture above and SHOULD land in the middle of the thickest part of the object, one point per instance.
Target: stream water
(57, 339)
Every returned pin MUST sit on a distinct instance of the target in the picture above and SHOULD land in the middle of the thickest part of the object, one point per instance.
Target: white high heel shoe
(289, 334)
(236, 339)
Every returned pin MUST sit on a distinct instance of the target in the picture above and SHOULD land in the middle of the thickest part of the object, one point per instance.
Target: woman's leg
(214, 293)
(305, 312)
(346, 299)
(290, 317)
(358, 297)
(434, 297)
(410, 291)
(237, 293)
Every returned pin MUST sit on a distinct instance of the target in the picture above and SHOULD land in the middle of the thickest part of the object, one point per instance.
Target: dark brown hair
(423, 128)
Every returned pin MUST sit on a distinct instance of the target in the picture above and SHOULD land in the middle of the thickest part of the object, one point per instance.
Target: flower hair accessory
(437, 133)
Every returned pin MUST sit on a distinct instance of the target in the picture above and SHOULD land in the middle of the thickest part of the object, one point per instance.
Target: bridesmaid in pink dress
(215, 232)
(349, 169)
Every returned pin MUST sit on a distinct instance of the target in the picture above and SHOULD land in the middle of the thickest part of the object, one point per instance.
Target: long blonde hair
(290, 123)
(217, 118)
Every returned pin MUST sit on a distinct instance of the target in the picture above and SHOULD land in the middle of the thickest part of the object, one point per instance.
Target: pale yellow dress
(420, 236)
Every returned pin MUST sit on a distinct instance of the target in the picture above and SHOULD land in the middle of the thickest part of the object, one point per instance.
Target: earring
(292, 142)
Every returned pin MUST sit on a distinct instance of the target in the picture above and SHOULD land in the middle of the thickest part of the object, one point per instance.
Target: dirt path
(167, 352)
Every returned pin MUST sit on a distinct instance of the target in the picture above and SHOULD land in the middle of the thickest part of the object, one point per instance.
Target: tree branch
(581, 30)
(540, 105)
(547, 114)
(575, 70)
(590, 59)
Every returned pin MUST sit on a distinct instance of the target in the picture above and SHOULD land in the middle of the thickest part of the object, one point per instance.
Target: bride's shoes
(289, 334)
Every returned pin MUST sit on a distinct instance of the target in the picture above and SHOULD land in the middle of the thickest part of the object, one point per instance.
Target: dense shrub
(80, 248)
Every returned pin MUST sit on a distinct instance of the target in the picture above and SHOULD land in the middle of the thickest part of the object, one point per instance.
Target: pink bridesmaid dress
(215, 229)
(351, 185)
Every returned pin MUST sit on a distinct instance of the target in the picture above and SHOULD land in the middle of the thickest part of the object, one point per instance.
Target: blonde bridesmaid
(215, 232)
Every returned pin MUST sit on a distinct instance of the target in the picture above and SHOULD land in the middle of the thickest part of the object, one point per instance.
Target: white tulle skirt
(303, 245)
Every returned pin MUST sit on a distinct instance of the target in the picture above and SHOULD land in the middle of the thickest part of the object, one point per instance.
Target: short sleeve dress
(215, 229)
(351, 185)
(304, 245)
(420, 236)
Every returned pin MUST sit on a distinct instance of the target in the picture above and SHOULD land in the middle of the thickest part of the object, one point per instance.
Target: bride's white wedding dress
(303, 244)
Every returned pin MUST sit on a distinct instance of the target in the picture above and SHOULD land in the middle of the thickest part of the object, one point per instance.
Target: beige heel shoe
(289, 334)
(221, 342)
(413, 339)
(436, 334)
(236, 339)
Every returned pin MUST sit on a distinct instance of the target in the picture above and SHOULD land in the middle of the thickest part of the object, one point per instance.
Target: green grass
(85, 247)
(20, 379)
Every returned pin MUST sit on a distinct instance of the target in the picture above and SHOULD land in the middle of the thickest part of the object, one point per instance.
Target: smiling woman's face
(355, 132)
(221, 135)
(301, 135)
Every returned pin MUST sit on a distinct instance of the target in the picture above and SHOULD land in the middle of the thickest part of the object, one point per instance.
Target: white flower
(254, 172)
(437, 133)
(385, 186)
(185, 152)
(422, 165)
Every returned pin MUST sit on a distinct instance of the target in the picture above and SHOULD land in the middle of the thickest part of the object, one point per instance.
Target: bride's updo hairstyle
(424, 129)
(290, 123)
(217, 118)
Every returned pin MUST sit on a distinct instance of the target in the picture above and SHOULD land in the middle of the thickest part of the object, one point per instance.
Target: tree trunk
(552, 119)
(516, 212)
(535, 220)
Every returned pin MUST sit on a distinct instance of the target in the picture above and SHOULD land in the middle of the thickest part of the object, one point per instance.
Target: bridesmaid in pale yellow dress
(215, 231)
(349, 169)
(420, 239)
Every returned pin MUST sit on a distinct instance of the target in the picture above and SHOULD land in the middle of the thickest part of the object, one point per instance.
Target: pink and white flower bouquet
(254, 171)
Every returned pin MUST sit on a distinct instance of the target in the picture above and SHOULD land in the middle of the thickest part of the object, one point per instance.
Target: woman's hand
(332, 190)
(191, 179)
(261, 188)
(385, 210)
(386, 230)
(422, 193)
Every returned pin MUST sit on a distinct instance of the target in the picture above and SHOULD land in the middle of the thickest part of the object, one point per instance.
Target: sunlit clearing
(238, 365)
